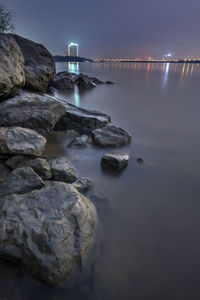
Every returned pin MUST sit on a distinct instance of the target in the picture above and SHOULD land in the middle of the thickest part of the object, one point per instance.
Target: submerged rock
(31, 110)
(48, 231)
(62, 81)
(84, 81)
(79, 141)
(62, 170)
(81, 119)
(82, 184)
(110, 135)
(39, 64)
(20, 181)
(139, 160)
(115, 160)
(11, 66)
(17, 140)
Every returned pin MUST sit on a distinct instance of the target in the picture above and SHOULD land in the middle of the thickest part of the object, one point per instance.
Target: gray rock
(62, 170)
(4, 171)
(31, 110)
(109, 82)
(62, 81)
(48, 231)
(110, 135)
(17, 140)
(79, 141)
(40, 165)
(21, 181)
(11, 66)
(84, 81)
(139, 160)
(81, 119)
(39, 64)
(115, 160)
(82, 184)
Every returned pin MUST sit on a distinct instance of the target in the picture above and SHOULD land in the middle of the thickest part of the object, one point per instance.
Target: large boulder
(11, 66)
(17, 140)
(110, 135)
(31, 110)
(62, 170)
(81, 119)
(39, 64)
(20, 181)
(4, 171)
(48, 231)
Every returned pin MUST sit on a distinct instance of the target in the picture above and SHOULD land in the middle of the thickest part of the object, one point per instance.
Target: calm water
(150, 212)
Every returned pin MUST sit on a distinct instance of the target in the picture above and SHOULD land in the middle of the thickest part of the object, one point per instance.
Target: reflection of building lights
(165, 79)
(76, 96)
(73, 67)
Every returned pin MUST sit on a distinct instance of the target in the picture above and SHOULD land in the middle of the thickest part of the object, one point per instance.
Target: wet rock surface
(62, 170)
(48, 230)
(79, 141)
(39, 65)
(110, 135)
(20, 181)
(11, 66)
(30, 110)
(81, 119)
(82, 184)
(62, 81)
(115, 160)
(17, 140)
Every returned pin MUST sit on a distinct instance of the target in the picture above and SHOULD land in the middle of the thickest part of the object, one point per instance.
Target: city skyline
(112, 28)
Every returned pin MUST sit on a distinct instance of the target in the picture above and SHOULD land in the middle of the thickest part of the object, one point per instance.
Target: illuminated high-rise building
(73, 49)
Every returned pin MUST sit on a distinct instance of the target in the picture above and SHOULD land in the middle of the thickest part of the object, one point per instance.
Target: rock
(48, 231)
(21, 181)
(14, 161)
(31, 110)
(4, 171)
(11, 66)
(62, 81)
(40, 165)
(62, 170)
(109, 82)
(84, 81)
(139, 160)
(110, 135)
(81, 119)
(82, 184)
(79, 141)
(96, 80)
(39, 64)
(17, 140)
(115, 160)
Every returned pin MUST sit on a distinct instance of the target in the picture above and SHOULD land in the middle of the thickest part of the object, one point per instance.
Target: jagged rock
(79, 141)
(40, 165)
(4, 171)
(39, 64)
(115, 160)
(110, 135)
(21, 181)
(84, 81)
(82, 184)
(62, 170)
(31, 110)
(11, 66)
(13, 161)
(81, 119)
(62, 81)
(48, 231)
(17, 140)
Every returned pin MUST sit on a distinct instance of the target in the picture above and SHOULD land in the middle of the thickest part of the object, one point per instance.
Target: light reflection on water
(149, 212)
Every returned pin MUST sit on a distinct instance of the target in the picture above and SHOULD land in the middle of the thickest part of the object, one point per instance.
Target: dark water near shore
(150, 212)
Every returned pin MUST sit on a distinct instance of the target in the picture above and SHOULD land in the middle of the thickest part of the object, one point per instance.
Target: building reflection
(166, 74)
(76, 96)
(73, 67)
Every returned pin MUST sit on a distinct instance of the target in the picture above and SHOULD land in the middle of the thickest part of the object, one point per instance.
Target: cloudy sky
(111, 28)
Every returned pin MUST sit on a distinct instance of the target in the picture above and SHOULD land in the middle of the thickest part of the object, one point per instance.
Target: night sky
(112, 28)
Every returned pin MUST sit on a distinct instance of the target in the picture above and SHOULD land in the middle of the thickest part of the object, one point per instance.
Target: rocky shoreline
(47, 224)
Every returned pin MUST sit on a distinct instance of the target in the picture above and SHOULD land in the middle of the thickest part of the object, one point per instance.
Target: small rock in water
(139, 160)
(82, 184)
(79, 141)
(109, 82)
(115, 160)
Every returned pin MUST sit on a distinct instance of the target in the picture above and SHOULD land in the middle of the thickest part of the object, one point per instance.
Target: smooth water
(150, 212)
